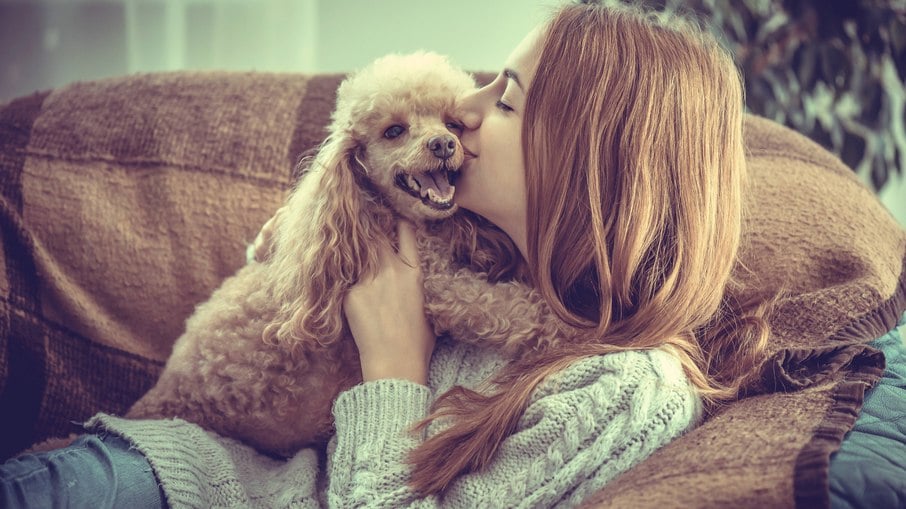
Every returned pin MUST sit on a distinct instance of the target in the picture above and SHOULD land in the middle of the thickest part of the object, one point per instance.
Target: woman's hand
(386, 315)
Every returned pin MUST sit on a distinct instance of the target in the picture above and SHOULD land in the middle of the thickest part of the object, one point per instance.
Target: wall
(46, 43)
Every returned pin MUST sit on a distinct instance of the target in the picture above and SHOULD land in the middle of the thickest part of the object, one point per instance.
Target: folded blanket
(124, 203)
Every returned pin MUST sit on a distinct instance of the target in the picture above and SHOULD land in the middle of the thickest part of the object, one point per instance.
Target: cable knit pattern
(582, 428)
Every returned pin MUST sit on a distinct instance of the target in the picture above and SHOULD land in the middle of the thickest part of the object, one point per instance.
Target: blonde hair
(635, 172)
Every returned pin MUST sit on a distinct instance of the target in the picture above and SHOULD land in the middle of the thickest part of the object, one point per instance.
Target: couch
(125, 201)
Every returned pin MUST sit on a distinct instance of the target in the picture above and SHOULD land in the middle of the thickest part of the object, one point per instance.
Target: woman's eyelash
(502, 106)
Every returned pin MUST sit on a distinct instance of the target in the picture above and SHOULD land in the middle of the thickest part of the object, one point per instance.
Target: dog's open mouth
(434, 188)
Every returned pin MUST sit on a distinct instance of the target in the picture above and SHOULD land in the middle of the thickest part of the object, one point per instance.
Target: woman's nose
(469, 112)
(471, 119)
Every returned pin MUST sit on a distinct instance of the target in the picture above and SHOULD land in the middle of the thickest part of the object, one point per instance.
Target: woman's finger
(408, 251)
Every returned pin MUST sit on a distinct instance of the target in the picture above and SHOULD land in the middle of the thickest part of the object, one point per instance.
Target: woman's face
(492, 181)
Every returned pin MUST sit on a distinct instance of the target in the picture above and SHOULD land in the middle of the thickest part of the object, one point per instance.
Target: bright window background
(48, 43)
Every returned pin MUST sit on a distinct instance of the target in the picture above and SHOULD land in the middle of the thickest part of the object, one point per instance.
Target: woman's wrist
(410, 369)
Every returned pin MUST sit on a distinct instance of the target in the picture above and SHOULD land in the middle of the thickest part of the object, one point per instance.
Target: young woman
(610, 151)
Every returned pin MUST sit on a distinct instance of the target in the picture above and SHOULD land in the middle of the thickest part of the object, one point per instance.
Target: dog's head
(393, 140)
(399, 112)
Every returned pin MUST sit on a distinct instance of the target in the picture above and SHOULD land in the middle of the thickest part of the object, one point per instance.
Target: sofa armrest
(124, 203)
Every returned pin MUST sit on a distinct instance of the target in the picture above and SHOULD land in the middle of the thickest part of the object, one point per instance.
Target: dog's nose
(443, 146)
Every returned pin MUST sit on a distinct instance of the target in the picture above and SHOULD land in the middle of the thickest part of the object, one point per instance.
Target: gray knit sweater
(582, 428)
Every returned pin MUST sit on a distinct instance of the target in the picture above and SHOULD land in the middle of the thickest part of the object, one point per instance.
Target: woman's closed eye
(502, 106)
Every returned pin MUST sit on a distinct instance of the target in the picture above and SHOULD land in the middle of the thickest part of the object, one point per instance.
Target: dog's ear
(327, 240)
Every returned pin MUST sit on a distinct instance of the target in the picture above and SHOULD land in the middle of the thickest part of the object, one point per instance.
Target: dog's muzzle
(434, 188)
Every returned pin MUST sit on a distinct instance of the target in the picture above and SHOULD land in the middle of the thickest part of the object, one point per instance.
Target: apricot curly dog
(263, 359)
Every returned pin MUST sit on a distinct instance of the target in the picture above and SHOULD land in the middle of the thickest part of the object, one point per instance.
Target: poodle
(263, 359)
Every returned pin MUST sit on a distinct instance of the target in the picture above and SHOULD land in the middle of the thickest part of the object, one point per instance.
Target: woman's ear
(326, 241)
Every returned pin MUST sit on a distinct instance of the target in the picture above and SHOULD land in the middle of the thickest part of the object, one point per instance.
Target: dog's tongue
(437, 181)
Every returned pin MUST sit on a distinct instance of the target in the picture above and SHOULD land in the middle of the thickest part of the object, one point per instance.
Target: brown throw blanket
(124, 202)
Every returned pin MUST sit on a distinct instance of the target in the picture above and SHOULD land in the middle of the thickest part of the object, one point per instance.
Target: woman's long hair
(635, 172)
(644, 188)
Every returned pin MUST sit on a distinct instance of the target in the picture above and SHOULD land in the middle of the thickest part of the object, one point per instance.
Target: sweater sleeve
(582, 428)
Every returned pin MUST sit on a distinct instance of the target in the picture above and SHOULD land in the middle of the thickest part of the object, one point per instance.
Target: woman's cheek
(465, 186)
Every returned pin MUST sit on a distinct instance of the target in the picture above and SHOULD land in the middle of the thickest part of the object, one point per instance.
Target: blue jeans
(93, 471)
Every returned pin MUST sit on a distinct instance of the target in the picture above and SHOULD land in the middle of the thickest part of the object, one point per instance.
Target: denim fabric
(95, 471)
(869, 470)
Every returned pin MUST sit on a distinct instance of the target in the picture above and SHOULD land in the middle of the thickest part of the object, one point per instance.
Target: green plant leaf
(853, 149)
(871, 101)
(868, 29)
(821, 136)
(898, 166)
(835, 65)
(805, 63)
(879, 173)
(896, 31)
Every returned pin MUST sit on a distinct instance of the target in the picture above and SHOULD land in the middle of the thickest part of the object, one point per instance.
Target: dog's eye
(394, 131)
(453, 126)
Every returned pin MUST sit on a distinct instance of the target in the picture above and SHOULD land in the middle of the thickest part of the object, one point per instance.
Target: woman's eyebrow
(511, 74)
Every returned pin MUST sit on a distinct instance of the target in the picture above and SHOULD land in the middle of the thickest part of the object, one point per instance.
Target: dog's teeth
(410, 180)
(432, 195)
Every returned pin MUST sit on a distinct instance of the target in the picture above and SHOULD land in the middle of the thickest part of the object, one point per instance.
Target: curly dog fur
(263, 359)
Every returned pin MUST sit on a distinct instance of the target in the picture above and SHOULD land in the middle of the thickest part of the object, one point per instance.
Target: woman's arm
(386, 315)
(593, 421)
(589, 423)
